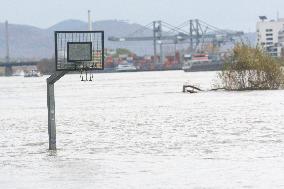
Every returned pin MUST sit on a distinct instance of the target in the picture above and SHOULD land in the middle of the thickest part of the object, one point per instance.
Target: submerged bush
(249, 68)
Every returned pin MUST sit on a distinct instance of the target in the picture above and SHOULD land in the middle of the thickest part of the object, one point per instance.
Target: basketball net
(86, 75)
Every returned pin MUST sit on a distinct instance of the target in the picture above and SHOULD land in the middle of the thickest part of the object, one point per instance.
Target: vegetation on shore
(250, 68)
(46, 66)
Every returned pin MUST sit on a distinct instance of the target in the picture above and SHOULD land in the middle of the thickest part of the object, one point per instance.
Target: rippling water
(137, 130)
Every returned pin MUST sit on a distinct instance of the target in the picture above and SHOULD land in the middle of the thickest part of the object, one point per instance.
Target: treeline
(46, 66)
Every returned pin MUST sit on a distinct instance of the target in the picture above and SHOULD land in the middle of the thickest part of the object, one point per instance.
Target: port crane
(193, 32)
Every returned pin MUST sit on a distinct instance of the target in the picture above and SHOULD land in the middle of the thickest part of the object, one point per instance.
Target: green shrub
(249, 68)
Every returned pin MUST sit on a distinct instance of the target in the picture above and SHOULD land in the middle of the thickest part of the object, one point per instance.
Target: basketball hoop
(81, 51)
(75, 51)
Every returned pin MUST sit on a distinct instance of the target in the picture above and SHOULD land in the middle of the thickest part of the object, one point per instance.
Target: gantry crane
(194, 32)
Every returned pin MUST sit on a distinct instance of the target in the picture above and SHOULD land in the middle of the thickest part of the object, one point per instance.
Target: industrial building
(270, 35)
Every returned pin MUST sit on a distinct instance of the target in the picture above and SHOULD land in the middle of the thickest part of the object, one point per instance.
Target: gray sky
(227, 14)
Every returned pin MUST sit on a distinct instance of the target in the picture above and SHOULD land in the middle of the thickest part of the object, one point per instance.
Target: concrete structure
(268, 34)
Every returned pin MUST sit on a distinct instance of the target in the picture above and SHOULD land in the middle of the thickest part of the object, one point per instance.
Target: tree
(122, 51)
(46, 66)
(250, 68)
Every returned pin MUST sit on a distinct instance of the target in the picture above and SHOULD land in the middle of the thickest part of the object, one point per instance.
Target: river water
(138, 130)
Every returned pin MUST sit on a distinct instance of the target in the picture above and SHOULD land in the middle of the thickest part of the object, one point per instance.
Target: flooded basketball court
(138, 130)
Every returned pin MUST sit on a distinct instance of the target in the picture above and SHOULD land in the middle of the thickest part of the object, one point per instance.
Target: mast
(7, 42)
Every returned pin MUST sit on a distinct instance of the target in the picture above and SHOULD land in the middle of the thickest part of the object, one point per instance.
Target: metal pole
(7, 42)
(161, 43)
(8, 68)
(51, 116)
(175, 51)
(51, 107)
(155, 42)
(197, 32)
(161, 53)
(90, 21)
(191, 35)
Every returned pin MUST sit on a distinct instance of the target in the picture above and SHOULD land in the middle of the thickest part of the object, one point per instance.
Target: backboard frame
(74, 68)
(79, 43)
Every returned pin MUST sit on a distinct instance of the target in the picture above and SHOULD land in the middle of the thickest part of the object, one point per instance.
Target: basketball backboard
(79, 50)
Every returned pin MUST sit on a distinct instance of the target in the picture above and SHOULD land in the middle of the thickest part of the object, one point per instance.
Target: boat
(19, 73)
(200, 62)
(126, 67)
(32, 73)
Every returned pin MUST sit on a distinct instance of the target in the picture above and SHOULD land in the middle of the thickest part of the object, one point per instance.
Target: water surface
(137, 130)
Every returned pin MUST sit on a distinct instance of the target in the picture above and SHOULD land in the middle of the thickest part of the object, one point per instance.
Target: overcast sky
(227, 14)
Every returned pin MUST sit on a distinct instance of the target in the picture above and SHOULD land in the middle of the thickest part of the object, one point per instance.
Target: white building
(268, 35)
(281, 42)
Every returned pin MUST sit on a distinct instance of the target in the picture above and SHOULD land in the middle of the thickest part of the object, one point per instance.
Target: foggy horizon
(235, 15)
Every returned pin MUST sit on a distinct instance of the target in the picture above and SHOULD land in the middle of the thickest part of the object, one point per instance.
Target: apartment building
(270, 35)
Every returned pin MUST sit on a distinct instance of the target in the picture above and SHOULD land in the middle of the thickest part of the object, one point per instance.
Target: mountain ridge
(30, 42)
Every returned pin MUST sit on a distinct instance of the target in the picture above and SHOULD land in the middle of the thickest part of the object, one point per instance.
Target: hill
(28, 42)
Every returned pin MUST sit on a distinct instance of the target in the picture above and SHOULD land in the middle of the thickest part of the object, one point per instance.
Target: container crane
(198, 33)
